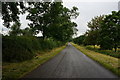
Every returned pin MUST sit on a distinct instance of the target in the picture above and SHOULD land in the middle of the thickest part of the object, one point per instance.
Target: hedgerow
(21, 48)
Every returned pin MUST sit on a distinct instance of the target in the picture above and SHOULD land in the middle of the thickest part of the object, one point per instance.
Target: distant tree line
(104, 30)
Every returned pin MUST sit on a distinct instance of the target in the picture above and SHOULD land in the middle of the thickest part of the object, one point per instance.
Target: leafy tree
(95, 23)
(61, 22)
(27, 32)
(79, 40)
(15, 29)
(10, 12)
(52, 19)
(45, 17)
(92, 35)
(110, 31)
(91, 38)
(39, 17)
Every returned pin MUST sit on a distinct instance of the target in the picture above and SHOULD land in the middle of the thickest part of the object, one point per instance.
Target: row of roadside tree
(104, 31)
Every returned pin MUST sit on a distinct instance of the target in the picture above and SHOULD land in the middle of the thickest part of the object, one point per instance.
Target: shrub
(20, 48)
(106, 52)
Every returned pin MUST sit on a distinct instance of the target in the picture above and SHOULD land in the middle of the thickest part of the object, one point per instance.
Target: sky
(87, 9)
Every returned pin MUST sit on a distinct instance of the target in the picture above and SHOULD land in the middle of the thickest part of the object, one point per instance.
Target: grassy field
(107, 61)
(107, 52)
(17, 70)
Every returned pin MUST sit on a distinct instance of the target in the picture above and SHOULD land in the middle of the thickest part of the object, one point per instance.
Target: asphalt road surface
(70, 63)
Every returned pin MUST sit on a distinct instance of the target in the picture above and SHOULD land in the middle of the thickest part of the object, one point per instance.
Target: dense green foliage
(10, 12)
(20, 48)
(92, 35)
(104, 31)
(107, 52)
(52, 19)
(15, 29)
(79, 40)
(109, 31)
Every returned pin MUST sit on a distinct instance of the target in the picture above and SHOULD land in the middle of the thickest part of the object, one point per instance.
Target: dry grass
(107, 61)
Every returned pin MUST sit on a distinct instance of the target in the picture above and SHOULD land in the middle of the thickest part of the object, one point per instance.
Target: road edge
(114, 71)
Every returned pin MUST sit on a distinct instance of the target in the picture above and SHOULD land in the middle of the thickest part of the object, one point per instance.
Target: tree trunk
(43, 33)
(94, 46)
(115, 49)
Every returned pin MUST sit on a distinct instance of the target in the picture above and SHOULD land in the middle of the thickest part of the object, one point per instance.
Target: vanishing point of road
(70, 63)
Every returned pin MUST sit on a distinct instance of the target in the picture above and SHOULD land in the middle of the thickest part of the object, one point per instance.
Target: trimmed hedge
(21, 48)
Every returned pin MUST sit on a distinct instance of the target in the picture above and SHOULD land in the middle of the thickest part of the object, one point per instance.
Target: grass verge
(106, 52)
(107, 61)
(18, 70)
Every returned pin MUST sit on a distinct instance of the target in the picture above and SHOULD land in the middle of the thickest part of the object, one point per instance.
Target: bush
(49, 44)
(106, 52)
(20, 48)
(79, 40)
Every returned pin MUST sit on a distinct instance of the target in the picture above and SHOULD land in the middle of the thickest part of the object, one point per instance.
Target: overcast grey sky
(87, 9)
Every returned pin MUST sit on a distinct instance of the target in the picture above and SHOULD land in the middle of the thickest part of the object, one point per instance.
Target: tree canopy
(10, 12)
(52, 19)
(104, 31)
(92, 35)
(110, 31)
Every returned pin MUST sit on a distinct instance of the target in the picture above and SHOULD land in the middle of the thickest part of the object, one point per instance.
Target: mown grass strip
(106, 52)
(18, 70)
(107, 61)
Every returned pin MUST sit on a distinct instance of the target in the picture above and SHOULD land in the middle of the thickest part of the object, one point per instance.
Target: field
(107, 52)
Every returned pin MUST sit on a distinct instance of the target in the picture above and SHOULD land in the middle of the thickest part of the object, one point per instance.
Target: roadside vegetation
(104, 31)
(103, 35)
(107, 61)
(23, 50)
(102, 41)
(106, 52)
(18, 70)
